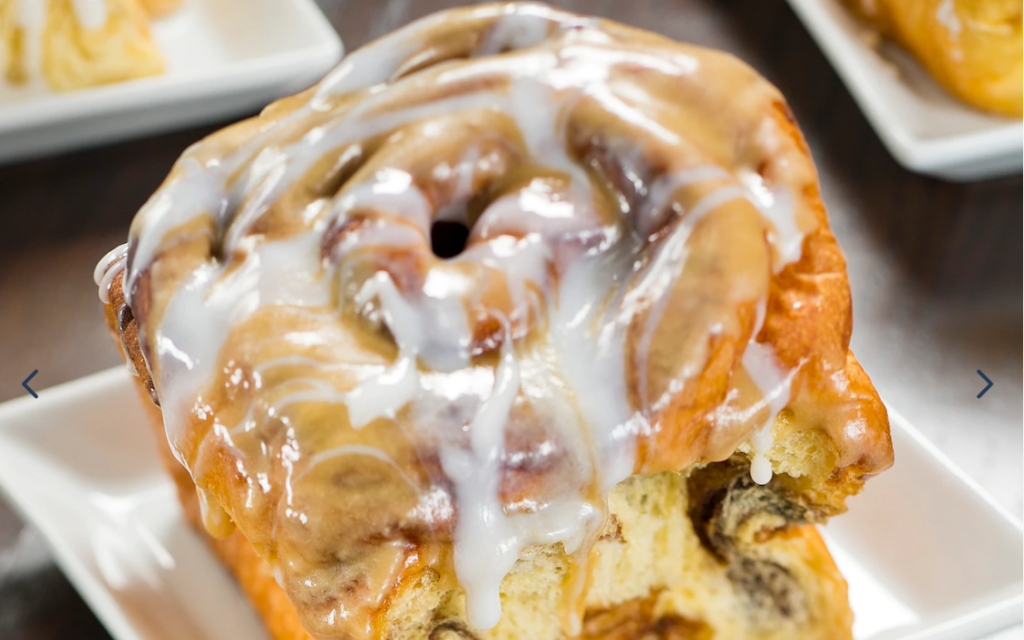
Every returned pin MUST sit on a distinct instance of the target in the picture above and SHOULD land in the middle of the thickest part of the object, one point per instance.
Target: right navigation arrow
(988, 386)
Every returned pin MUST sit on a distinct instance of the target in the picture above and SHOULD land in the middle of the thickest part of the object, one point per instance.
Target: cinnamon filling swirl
(626, 299)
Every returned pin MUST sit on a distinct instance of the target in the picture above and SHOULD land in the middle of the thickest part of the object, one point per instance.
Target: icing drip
(774, 383)
(108, 268)
(300, 325)
(777, 206)
(31, 18)
(274, 273)
(945, 14)
(485, 545)
(519, 29)
(386, 393)
(590, 355)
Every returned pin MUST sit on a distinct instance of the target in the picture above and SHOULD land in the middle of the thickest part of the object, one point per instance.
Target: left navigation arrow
(28, 388)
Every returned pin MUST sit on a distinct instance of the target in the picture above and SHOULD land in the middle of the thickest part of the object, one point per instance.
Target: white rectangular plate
(925, 128)
(928, 555)
(224, 58)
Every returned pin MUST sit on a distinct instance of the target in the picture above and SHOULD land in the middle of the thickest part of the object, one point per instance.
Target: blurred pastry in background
(157, 8)
(972, 47)
(73, 44)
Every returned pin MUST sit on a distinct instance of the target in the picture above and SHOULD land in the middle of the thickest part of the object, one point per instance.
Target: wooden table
(934, 265)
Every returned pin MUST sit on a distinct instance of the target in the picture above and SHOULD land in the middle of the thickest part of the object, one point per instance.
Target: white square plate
(927, 554)
(224, 58)
(924, 127)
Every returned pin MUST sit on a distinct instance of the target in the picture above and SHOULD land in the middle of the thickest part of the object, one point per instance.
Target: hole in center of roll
(448, 238)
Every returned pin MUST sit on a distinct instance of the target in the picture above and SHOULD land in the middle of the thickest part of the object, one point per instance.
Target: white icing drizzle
(946, 15)
(91, 14)
(31, 17)
(585, 278)
(666, 269)
(107, 269)
(358, 450)
(117, 253)
(591, 361)
(776, 204)
(390, 390)
(285, 272)
(485, 546)
(774, 382)
(520, 28)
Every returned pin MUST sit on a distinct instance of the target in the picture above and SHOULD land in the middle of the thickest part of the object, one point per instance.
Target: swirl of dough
(641, 215)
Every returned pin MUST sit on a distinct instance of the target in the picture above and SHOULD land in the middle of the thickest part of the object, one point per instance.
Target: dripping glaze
(297, 323)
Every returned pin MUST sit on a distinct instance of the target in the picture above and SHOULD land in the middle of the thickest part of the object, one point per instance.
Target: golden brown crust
(809, 317)
(238, 555)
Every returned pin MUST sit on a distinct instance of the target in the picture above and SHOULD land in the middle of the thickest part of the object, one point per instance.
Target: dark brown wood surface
(934, 265)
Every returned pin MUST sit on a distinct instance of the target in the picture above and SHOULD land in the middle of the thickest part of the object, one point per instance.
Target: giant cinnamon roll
(613, 409)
